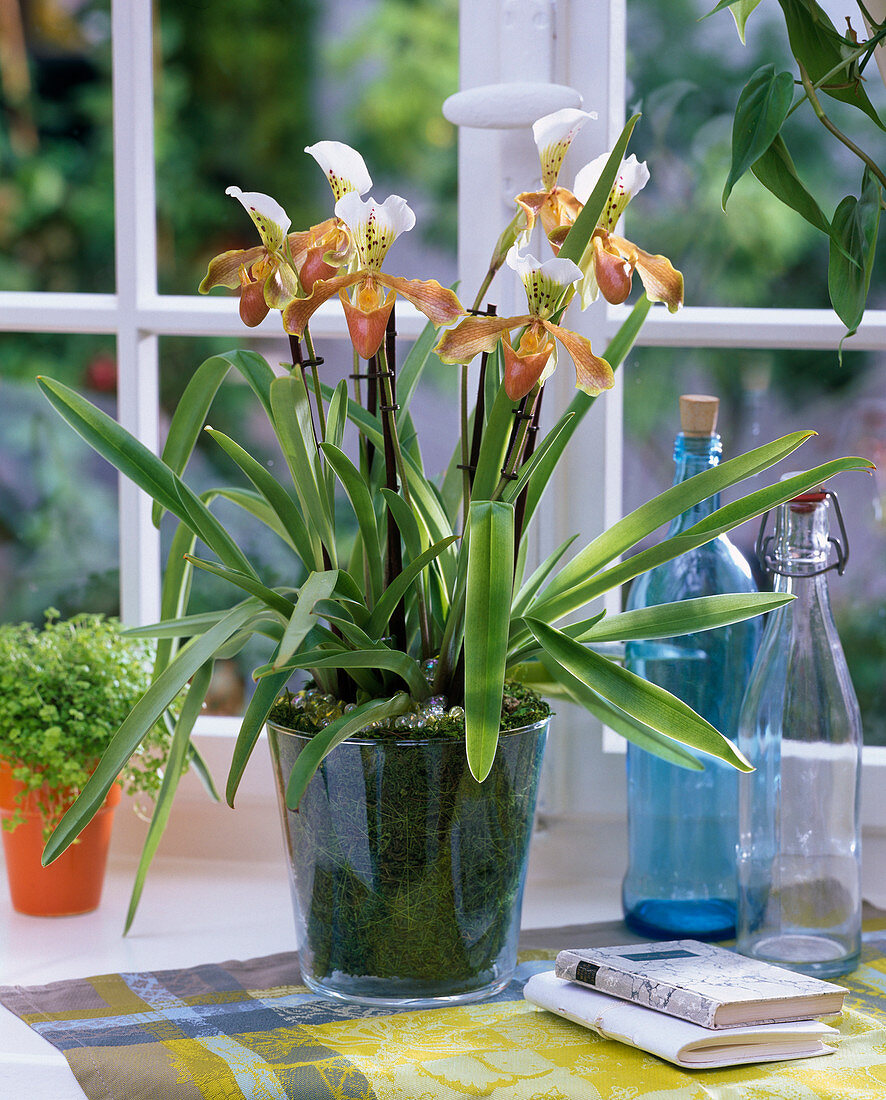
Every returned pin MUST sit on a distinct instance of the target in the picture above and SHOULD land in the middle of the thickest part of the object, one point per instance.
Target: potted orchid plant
(407, 766)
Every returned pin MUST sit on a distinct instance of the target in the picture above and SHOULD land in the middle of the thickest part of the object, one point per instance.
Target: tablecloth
(249, 1029)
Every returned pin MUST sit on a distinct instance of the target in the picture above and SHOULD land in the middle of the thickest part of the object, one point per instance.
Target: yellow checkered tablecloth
(251, 1030)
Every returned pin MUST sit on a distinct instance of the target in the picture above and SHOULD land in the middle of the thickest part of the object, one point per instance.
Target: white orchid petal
(268, 215)
(544, 282)
(553, 135)
(374, 226)
(632, 177)
(344, 167)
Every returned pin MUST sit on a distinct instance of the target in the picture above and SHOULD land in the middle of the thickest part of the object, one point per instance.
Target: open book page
(679, 1041)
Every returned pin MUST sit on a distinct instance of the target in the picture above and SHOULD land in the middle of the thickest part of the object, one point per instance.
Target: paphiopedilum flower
(263, 273)
(373, 228)
(610, 262)
(556, 206)
(534, 358)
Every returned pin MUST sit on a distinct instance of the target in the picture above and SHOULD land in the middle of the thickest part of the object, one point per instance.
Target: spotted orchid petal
(530, 363)
(374, 226)
(300, 310)
(475, 335)
(592, 374)
(438, 303)
(632, 177)
(224, 270)
(344, 167)
(366, 327)
(661, 280)
(544, 282)
(553, 135)
(269, 216)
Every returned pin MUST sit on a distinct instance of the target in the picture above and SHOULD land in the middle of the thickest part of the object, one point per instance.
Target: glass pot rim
(393, 739)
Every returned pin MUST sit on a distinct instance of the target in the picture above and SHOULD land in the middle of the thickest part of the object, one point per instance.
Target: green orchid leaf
(409, 374)
(579, 236)
(531, 465)
(645, 703)
(494, 446)
(175, 590)
(397, 589)
(185, 627)
(334, 612)
(292, 420)
(337, 415)
(643, 736)
(142, 717)
(176, 764)
(531, 586)
(669, 620)
(817, 45)
(775, 170)
(256, 505)
(413, 537)
(268, 596)
(855, 228)
(490, 577)
(401, 664)
(199, 767)
(193, 406)
(361, 501)
(318, 586)
(144, 468)
(257, 710)
(640, 523)
(322, 744)
(762, 108)
(280, 501)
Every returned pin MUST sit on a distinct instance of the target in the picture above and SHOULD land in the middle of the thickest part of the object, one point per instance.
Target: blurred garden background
(237, 99)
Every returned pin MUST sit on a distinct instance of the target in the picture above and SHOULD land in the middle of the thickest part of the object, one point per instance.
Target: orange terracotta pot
(70, 885)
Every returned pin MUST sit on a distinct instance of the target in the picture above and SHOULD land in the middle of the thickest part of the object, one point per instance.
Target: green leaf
(263, 698)
(397, 589)
(641, 701)
(636, 732)
(640, 523)
(669, 620)
(530, 587)
(401, 664)
(361, 501)
(193, 406)
(408, 376)
(283, 505)
(499, 422)
(292, 419)
(175, 765)
(855, 228)
(142, 717)
(268, 596)
(490, 579)
(776, 171)
(318, 586)
(533, 463)
(337, 415)
(257, 506)
(762, 108)
(579, 236)
(741, 11)
(406, 522)
(322, 744)
(818, 46)
(145, 469)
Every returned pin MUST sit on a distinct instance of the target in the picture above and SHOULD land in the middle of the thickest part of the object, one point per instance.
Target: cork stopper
(698, 414)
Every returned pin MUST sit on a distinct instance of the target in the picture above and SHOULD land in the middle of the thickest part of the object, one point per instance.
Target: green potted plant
(64, 691)
(419, 623)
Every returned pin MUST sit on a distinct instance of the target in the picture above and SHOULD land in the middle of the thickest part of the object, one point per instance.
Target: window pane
(58, 499)
(759, 253)
(765, 395)
(56, 185)
(228, 115)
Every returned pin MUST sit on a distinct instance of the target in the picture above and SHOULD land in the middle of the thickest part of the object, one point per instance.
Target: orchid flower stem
(321, 415)
(466, 480)
(298, 361)
(838, 134)
(487, 282)
(520, 507)
(517, 442)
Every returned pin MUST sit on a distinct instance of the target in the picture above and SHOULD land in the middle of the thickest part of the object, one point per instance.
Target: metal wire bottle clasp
(841, 546)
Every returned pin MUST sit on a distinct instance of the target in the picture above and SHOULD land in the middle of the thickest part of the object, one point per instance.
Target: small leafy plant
(433, 604)
(64, 692)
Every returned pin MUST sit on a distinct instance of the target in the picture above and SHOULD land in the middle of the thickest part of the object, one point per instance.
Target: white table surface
(200, 911)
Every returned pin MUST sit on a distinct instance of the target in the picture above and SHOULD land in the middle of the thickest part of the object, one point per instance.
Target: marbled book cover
(700, 982)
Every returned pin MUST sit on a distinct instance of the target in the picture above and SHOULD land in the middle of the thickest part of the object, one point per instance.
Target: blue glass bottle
(682, 824)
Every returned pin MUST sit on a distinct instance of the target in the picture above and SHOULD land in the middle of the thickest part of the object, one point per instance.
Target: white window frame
(580, 43)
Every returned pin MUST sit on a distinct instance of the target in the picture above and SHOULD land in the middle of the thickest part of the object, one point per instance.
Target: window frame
(542, 41)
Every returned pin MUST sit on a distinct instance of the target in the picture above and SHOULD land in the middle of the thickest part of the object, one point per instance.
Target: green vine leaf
(853, 245)
(741, 11)
(762, 108)
(775, 170)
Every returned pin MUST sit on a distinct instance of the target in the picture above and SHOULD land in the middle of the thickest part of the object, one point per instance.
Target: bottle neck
(800, 548)
(693, 455)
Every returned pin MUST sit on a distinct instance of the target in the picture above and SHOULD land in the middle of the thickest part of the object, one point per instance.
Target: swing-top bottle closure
(805, 504)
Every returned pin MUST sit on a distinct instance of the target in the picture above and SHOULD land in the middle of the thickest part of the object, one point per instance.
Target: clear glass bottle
(682, 824)
(799, 853)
